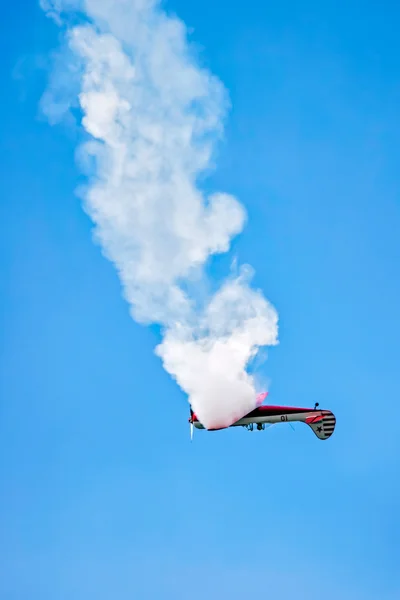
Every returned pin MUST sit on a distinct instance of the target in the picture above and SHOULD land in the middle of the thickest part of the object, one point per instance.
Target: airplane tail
(323, 425)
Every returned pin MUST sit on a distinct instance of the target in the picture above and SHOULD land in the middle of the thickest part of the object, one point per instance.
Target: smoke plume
(150, 118)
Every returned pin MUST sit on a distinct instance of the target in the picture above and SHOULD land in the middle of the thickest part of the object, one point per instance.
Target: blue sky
(101, 492)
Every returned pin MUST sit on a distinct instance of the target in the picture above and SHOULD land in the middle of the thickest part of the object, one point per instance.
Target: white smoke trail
(152, 116)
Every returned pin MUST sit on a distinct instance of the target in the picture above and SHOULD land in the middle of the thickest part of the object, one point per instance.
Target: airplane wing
(261, 397)
(322, 425)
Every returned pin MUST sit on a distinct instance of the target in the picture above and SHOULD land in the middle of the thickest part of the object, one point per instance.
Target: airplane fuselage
(322, 422)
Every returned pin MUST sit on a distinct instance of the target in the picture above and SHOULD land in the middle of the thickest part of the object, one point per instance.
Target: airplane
(322, 422)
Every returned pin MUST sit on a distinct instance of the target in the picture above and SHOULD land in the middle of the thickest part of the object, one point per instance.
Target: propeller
(191, 431)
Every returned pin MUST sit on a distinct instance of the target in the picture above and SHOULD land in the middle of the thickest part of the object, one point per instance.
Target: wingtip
(261, 397)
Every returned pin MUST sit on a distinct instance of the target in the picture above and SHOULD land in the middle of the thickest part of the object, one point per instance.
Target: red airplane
(322, 422)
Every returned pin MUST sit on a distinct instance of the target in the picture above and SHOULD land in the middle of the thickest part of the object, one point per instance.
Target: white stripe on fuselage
(281, 418)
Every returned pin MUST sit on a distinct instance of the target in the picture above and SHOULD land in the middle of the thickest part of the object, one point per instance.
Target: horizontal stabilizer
(322, 425)
(314, 419)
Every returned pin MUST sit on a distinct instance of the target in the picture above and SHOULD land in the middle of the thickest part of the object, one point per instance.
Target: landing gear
(249, 427)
